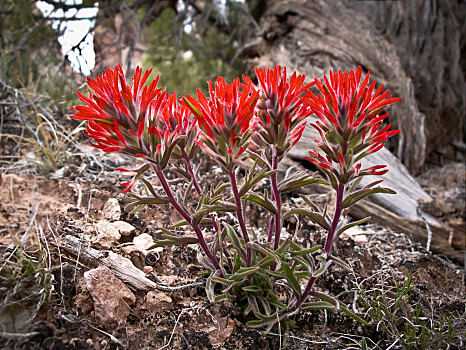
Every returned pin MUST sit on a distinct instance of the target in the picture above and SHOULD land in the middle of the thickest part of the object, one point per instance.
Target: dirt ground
(37, 213)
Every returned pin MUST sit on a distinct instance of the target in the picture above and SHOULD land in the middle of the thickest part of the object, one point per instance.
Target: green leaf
(353, 316)
(252, 289)
(297, 180)
(291, 278)
(318, 305)
(266, 252)
(264, 202)
(358, 195)
(352, 224)
(222, 297)
(325, 297)
(194, 109)
(340, 262)
(235, 240)
(315, 216)
(172, 239)
(244, 272)
(324, 264)
(252, 179)
(305, 251)
(224, 281)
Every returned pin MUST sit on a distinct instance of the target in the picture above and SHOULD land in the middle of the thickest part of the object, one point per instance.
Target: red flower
(138, 120)
(226, 118)
(113, 100)
(349, 124)
(281, 108)
(117, 111)
(351, 108)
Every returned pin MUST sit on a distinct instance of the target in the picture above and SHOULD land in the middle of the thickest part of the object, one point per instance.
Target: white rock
(123, 227)
(107, 235)
(112, 210)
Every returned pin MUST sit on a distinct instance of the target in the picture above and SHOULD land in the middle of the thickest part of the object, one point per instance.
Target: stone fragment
(155, 301)
(123, 227)
(107, 235)
(112, 210)
(356, 233)
(142, 243)
(147, 269)
(218, 336)
(112, 298)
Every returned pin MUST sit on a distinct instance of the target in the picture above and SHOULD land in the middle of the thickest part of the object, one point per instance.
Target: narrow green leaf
(316, 217)
(318, 305)
(354, 316)
(262, 201)
(327, 298)
(297, 180)
(291, 278)
(244, 272)
(358, 195)
(352, 224)
(252, 289)
(340, 262)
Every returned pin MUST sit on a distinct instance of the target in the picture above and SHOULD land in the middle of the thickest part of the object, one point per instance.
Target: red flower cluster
(281, 109)
(138, 120)
(226, 118)
(349, 124)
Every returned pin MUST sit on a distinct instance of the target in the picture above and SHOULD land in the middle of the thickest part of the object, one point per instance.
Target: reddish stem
(188, 218)
(278, 200)
(240, 215)
(327, 248)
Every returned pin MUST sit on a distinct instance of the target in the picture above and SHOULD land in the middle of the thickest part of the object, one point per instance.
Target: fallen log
(127, 274)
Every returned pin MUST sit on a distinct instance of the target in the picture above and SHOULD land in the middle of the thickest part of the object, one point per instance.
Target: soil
(36, 213)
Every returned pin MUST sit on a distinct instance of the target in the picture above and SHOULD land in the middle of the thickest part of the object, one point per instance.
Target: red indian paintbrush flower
(281, 109)
(226, 118)
(116, 111)
(138, 120)
(349, 124)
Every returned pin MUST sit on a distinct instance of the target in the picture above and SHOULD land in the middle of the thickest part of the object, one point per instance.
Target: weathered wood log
(410, 51)
(127, 274)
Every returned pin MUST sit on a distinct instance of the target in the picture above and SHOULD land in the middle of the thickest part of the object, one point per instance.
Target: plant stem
(240, 215)
(195, 183)
(327, 248)
(188, 218)
(190, 171)
(278, 200)
(336, 219)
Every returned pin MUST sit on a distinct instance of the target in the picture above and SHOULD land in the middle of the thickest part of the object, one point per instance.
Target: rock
(147, 269)
(106, 235)
(112, 210)
(111, 297)
(123, 227)
(155, 301)
(358, 234)
(224, 329)
(142, 243)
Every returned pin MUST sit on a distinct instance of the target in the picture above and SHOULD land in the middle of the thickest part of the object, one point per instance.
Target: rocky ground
(77, 273)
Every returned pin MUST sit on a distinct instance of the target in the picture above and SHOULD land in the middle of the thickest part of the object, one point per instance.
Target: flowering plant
(237, 125)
